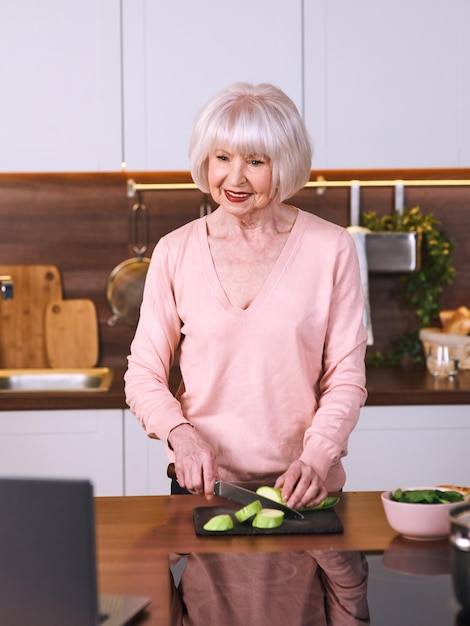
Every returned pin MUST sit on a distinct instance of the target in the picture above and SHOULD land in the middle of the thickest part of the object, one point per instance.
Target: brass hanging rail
(320, 184)
(133, 187)
(447, 182)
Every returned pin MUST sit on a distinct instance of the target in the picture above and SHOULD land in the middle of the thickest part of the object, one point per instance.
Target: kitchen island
(137, 536)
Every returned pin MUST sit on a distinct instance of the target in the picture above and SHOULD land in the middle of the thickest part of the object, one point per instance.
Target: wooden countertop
(137, 534)
(386, 387)
(414, 385)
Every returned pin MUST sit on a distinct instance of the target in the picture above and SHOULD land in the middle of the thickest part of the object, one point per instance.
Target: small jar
(442, 361)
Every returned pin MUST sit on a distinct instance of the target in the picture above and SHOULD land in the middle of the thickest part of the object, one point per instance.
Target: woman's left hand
(301, 486)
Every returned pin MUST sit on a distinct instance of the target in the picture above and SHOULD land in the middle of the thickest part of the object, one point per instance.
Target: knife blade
(245, 496)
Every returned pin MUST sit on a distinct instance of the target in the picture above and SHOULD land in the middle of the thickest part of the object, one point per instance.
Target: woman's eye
(221, 157)
(256, 162)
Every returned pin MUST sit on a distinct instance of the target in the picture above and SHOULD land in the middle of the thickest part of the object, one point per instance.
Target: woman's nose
(237, 173)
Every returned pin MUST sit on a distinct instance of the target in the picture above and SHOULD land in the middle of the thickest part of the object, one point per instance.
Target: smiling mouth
(236, 196)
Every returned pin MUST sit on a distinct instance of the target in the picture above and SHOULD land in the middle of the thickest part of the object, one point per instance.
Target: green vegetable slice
(328, 503)
(272, 493)
(248, 511)
(268, 518)
(219, 523)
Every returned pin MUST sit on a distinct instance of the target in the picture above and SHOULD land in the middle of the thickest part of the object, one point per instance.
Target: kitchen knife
(244, 496)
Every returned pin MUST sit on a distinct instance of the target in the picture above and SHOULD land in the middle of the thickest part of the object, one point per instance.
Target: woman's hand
(195, 462)
(301, 486)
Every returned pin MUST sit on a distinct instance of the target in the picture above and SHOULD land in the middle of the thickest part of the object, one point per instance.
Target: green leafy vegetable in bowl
(426, 496)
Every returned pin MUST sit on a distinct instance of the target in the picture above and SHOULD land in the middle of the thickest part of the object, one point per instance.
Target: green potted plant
(421, 290)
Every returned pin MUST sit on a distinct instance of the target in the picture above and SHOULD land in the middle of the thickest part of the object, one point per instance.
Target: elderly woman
(262, 303)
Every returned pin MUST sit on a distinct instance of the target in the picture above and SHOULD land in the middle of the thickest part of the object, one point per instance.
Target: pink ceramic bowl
(424, 522)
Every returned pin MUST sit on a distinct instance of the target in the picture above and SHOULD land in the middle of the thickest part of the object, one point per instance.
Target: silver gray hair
(254, 120)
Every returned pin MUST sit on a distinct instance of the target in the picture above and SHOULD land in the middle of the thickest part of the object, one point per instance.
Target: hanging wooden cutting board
(71, 328)
(22, 343)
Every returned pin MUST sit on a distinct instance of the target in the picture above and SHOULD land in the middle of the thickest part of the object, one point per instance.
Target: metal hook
(205, 207)
(139, 238)
(399, 196)
(355, 201)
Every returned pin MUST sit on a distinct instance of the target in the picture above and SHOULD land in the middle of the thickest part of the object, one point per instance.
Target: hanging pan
(125, 285)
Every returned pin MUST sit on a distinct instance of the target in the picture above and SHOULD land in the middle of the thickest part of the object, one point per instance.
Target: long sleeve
(153, 351)
(342, 385)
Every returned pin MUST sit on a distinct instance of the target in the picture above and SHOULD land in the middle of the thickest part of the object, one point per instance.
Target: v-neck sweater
(280, 380)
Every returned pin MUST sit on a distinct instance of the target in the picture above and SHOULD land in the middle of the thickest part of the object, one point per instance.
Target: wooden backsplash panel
(81, 223)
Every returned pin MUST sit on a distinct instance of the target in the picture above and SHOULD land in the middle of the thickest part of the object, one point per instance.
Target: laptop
(48, 557)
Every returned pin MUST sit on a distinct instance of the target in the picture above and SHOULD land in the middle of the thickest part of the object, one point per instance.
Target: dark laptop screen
(47, 553)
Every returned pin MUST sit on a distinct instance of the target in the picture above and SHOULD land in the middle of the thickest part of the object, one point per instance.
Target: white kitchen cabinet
(376, 87)
(381, 85)
(396, 446)
(145, 461)
(64, 444)
(386, 83)
(179, 54)
(60, 100)
(391, 446)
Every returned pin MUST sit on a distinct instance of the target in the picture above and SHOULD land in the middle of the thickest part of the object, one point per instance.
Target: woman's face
(240, 183)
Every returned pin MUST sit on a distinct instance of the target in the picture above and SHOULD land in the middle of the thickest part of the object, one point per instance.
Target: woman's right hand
(195, 461)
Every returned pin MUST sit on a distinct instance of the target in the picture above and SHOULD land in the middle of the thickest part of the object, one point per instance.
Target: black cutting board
(314, 523)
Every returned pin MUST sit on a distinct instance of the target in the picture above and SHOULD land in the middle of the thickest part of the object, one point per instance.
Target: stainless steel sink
(59, 380)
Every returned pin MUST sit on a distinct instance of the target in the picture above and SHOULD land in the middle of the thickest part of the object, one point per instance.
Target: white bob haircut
(254, 120)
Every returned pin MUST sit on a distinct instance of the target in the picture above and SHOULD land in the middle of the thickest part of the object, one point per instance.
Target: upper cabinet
(387, 83)
(178, 54)
(60, 99)
(90, 84)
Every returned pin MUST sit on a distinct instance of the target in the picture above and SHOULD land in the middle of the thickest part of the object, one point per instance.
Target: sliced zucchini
(268, 518)
(272, 493)
(248, 511)
(275, 494)
(219, 523)
(327, 503)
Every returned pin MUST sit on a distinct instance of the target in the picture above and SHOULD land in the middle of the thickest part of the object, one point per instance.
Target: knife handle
(170, 471)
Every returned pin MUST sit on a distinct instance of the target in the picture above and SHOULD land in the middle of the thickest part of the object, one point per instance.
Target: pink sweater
(281, 380)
